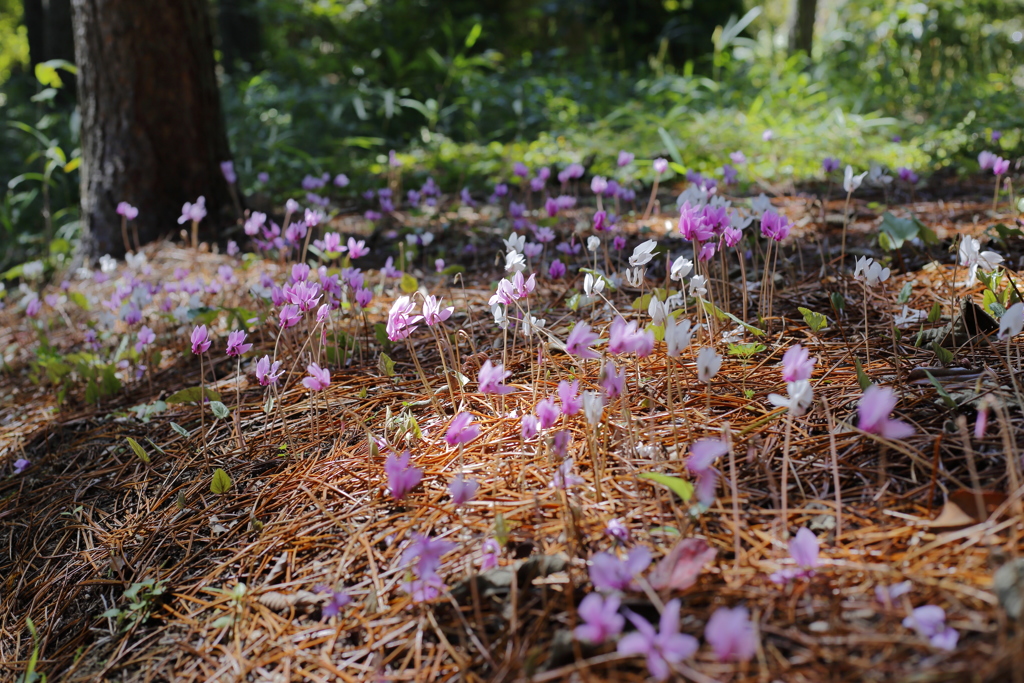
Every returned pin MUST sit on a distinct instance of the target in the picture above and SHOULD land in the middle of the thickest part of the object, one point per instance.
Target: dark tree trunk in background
(801, 26)
(152, 127)
(240, 33)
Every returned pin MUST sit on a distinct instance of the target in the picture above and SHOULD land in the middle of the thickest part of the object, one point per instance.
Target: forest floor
(235, 575)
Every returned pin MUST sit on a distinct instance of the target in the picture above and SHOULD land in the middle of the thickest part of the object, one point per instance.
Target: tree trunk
(801, 26)
(152, 127)
(241, 35)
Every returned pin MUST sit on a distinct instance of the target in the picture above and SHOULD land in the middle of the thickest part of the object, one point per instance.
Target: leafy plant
(143, 599)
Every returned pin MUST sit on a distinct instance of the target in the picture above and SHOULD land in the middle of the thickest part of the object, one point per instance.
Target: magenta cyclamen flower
(804, 551)
(873, 413)
(289, 316)
(236, 345)
(580, 340)
(200, 340)
(357, 249)
(662, 648)
(128, 211)
(402, 477)
(617, 530)
(774, 226)
(462, 430)
(612, 380)
(267, 373)
(601, 619)
(462, 489)
(363, 297)
(1000, 166)
(433, 313)
(731, 634)
(556, 270)
(609, 573)
(568, 396)
(547, 412)
(318, 379)
(797, 364)
(491, 377)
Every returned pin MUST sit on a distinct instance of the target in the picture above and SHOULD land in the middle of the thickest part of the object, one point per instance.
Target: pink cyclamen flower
(617, 530)
(462, 489)
(357, 249)
(704, 452)
(986, 160)
(774, 226)
(200, 340)
(612, 380)
(873, 413)
(322, 314)
(462, 430)
(489, 558)
(363, 297)
(660, 165)
(128, 211)
(731, 634)
(580, 340)
(289, 316)
(529, 426)
(491, 377)
(547, 413)
(1000, 166)
(267, 373)
(193, 212)
(601, 619)
(21, 464)
(930, 622)
(401, 321)
(433, 313)
(402, 477)
(625, 159)
(609, 573)
(797, 364)
(564, 477)
(236, 345)
(227, 168)
(804, 551)
(568, 396)
(661, 648)
(145, 338)
(319, 378)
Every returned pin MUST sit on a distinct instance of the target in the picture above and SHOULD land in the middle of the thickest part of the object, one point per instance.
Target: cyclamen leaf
(408, 284)
(385, 365)
(181, 430)
(816, 321)
(935, 314)
(220, 411)
(139, 450)
(192, 395)
(221, 482)
(680, 487)
(904, 295)
(862, 377)
(944, 355)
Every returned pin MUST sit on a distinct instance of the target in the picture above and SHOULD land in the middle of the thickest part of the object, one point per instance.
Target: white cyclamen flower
(677, 336)
(972, 257)
(34, 269)
(593, 243)
(708, 364)
(642, 255)
(870, 271)
(514, 261)
(593, 406)
(515, 242)
(852, 182)
(658, 310)
(635, 276)
(592, 285)
(1012, 321)
(799, 399)
(681, 267)
(698, 285)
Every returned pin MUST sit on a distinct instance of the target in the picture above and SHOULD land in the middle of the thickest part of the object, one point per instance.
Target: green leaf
(474, 34)
(816, 321)
(900, 230)
(181, 430)
(862, 377)
(944, 355)
(670, 145)
(221, 482)
(722, 315)
(680, 487)
(501, 530)
(385, 365)
(745, 350)
(192, 395)
(838, 302)
(139, 450)
(641, 303)
(453, 270)
(220, 411)
(408, 283)
(935, 314)
(988, 298)
(946, 398)
(79, 300)
(904, 295)
(203, 315)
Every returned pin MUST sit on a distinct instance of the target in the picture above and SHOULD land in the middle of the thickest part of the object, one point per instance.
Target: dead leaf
(282, 602)
(683, 564)
(951, 516)
(967, 502)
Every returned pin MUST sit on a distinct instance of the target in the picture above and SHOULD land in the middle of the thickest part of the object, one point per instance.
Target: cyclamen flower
(660, 165)
(974, 258)
(870, 271)
(1000, 166)
(571, 403)
(357, 249)
(799, 398)
(677, 336)
(491, 377)
(829, 164)
(804, 551)
(708, 364)
(267, 373)
(580, 340)
(425, 553)
(774, 226)
(433, 313)
(930, 622)
(1011, 322)
(127, 210)
(619, 243)
(200, 340)
(593, 407)
(986, 160)
(873, 414)
(612, 380)
(691, 224)
(289, 316)
(21, 464)
(461, 430)
(643, 253)
(617, 530)
(556, 270)
(489, 558)
(145, 338)
(564, 478)
(731, 634)
(547, 413)
(402, 477)
(236, 345)
(462, 490)
(318, 379)
(529, 426)
(401, 321)
(661, 648)
(850, 181)
(336, 600)
(797, 364)
(193, 212)
(601, 619)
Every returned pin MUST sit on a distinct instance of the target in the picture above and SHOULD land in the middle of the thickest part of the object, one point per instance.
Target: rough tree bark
(801, 26)
(153, 131)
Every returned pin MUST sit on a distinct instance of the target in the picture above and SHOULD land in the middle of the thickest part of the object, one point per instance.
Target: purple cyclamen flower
(873, 413)
(560, 443)
(336, 600)
(619, 243)
(774, 226)
(491, 377)
(890, 594)
(996, 135)
(547, 413)
(986, 160)
(829, 164)
(228, 169)
(804, 551)
(529, 426)
(145, 338)
(907, 175)
(660, 165)
(612, 380)
(127, 210)
(363, 297)
(462, 430)
(21, 464)
(267, 373)
(568, 396)
(424, 553)
(200, 340)
(1000, 166)
(601, 619)
(625, 159)
(661, 648)
(318, 379)
(357, 249)
(520, 170)
(930, 622)
(193, 212)
(289, 316)
(489, 558)
(617, 530)
(341, 180)
(797, 364)
(580, 340)
(402, 477)
(731, 634)
(609, 573)
(462, 490)
(236, 343)
(556, 270)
